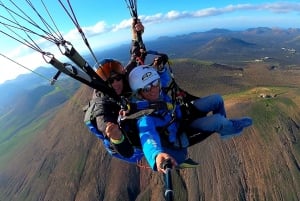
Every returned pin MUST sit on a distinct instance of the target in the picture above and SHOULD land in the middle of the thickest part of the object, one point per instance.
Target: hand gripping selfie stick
(169, 193)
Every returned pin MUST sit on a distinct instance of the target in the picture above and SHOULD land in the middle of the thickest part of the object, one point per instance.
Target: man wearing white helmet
(159, 132)
(144, 81)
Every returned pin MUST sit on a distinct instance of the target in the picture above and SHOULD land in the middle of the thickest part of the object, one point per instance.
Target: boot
(235, 127)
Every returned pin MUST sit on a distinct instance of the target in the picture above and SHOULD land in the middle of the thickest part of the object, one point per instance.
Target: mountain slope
(54, 157)
(12, 88)
(29, 105)
(268, 43)
(65, 162)
(263, 164)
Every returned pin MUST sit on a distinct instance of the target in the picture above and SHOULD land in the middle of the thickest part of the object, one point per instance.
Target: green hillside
(56, 158)
(31, 113)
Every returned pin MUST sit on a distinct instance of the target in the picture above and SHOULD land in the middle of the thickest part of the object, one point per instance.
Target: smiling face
(116, 81)
(151, 91)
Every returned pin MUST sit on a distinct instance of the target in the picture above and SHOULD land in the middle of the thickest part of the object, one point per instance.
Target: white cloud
(152, 18)
(124, 24)
(99, 27)
(15, 66)
(108, 31)
(284, 7)
(173, 14)
(102, 28)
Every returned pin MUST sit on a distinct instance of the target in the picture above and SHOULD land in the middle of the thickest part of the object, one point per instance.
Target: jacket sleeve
(105, 112)
(150, 139)
(124, 148)
(134, 53)
(165, 77)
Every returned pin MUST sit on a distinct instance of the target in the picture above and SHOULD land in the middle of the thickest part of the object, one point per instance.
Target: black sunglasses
(148, 87)
(112, 79)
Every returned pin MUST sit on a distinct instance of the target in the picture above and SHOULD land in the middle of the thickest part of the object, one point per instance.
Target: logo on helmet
(146, 76)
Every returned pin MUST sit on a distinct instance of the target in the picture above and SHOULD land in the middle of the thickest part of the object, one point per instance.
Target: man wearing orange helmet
(107, 108)
(104, 110)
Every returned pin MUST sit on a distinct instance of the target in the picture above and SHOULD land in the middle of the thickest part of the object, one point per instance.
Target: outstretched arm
(137, 46)
(152, 148)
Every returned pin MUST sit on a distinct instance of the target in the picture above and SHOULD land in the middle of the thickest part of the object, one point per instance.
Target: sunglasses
(148, 87)
(115, 78)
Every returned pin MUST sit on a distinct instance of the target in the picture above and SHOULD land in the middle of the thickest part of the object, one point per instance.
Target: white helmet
(141, 76)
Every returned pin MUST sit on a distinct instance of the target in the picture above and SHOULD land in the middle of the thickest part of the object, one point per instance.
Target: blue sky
(106, 23)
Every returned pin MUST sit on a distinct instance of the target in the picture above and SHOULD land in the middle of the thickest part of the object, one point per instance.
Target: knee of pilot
(218, 117)
(218, 97)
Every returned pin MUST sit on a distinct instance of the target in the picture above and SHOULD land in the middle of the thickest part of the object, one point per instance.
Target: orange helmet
(108, 67)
